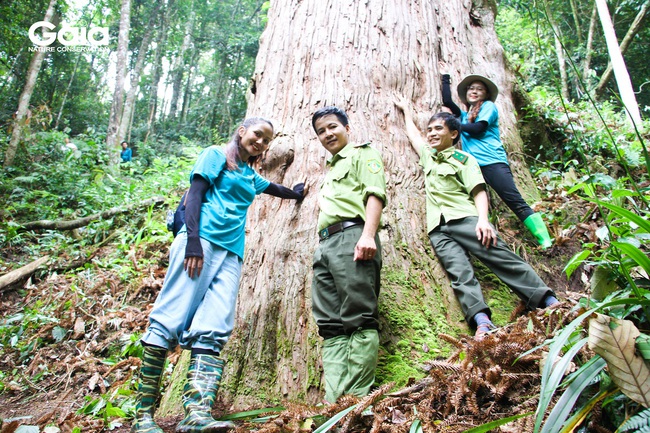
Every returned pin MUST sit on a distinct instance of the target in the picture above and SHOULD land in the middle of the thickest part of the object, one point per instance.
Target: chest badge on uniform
(374, 166)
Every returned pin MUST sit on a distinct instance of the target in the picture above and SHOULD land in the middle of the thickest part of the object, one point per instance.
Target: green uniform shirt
(450, 177)
(356, 173)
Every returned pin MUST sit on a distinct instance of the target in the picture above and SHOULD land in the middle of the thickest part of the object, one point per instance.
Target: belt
(338, 227)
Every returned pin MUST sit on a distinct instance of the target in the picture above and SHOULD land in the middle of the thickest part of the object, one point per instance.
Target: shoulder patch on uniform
(460, 156)
(374, 166)
(367, 143)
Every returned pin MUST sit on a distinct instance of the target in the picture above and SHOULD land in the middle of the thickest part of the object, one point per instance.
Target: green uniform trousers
(345, 292)
(344, 304)
(453, 241)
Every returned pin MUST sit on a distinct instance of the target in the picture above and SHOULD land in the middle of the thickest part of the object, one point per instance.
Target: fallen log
(82, 222)
(18, 274)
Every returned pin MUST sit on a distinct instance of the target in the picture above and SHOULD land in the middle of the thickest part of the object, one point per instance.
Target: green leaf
(617, 193)
(551, 376)
(565, 404)
(576, 261)
(643, 346)
(491, 425)
(416, 427)
(601, 283)
(251, 413)
(579, 416)
(639, 257)
(332, 421)
(58, 333)
(631, 216)
(113, 411)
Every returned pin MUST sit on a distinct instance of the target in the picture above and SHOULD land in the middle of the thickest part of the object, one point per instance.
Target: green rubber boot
(536, 226)
(153, 362)
(362, 362)
(203, 378)
(335, 366)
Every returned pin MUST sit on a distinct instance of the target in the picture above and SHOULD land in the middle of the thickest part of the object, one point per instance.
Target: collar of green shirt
(345, 152)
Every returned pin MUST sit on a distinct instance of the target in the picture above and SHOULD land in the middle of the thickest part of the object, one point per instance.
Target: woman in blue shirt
(196, 305)
(480, 138)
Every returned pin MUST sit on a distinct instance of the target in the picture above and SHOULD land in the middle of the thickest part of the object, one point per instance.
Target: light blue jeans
(196, 312)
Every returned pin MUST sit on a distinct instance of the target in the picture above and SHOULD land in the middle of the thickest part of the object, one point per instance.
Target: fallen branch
(18, 274)
(82, 222)
(64, 267)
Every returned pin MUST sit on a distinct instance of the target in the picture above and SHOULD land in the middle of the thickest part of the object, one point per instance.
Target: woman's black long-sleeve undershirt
(199, 187)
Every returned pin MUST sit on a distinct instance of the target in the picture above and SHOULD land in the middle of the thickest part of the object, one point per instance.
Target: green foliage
(526, 32)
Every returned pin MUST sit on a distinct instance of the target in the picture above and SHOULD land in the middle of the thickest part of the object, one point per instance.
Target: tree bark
(67, 91)
(559, 53)
(590, 42)
(179, 68)
(21, 116)
(120, 75)
(576, 19)
(356, 55)
(627, 40)
(620, 70)
(10, 278)
(82, 222)
(157, 70)
(127, 113)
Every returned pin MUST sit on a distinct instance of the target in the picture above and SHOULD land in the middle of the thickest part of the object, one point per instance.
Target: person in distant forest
(68, 146)
(347, 262)
(126, 153)
(457, 222)
(196, 305)
(481, 139)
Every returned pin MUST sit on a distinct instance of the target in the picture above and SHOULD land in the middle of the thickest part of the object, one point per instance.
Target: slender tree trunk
(67, 91)
(576, 19)
(356, 55)
(120, 76)
(21, 115)
(179, 68)
(157, 70)
(9, 77)
(187, 93)
(627, 40)
(590, 42)
(559, 53)
(620, 70)
(127, 114)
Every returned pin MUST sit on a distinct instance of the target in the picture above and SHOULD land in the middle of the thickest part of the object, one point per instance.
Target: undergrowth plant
(607, 167)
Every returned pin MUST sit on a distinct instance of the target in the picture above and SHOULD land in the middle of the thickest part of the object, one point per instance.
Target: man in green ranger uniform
(457, 222)
(347, 262)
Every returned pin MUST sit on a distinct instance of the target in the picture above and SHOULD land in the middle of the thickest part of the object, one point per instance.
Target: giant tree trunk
(356, 55)
(21, 115)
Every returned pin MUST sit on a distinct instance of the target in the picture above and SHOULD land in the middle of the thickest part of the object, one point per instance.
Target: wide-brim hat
(492, 88)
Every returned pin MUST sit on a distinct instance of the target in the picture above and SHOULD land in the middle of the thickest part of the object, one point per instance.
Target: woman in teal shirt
(481, 139)
(196, 305)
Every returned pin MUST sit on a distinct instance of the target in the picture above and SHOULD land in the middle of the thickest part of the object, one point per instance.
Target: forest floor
(479, 383)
